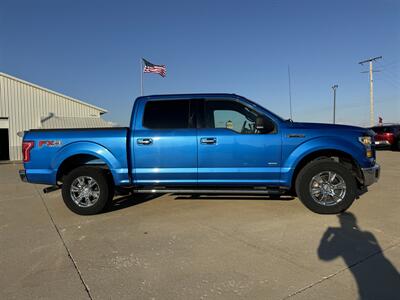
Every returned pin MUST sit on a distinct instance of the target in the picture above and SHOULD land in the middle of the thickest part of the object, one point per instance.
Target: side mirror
(264, 126)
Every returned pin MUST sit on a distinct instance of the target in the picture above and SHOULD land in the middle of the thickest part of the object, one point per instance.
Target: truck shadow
(126, 201)
(374, 274)
(132, 200)
(386, 149)
(232, 197)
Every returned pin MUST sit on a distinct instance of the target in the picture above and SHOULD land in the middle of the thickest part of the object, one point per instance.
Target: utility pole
(371, 87)
(334, 102)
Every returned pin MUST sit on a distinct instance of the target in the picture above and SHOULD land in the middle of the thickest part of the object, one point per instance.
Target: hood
(324, 126)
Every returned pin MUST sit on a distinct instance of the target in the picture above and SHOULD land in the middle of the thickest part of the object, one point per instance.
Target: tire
(93, 186)
(307, 181)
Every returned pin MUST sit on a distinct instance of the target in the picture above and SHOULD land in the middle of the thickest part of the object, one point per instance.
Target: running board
(216, 191)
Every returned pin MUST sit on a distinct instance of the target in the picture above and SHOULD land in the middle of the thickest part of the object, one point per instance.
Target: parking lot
(214, 247)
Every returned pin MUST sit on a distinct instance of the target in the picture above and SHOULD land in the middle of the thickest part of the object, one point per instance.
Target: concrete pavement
(177, 247)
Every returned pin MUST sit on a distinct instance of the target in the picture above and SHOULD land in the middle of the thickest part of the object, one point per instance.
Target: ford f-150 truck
(202, 144)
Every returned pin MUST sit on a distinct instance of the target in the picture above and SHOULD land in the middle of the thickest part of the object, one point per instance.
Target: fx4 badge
(49, 144)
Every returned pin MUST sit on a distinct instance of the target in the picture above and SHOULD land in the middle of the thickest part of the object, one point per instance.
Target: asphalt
(177, 247)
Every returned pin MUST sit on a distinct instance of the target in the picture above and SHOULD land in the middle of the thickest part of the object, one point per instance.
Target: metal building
(25, 106)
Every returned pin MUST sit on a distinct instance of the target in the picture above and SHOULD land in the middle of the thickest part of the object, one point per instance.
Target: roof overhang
(101, 110)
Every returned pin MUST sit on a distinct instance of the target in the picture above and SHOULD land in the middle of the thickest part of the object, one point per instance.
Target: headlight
(365, 140)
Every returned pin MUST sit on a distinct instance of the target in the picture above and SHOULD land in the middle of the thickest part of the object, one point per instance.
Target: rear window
(166, 114)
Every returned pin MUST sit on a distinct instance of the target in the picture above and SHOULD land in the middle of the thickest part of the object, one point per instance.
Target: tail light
(26, 150)
(389, 136)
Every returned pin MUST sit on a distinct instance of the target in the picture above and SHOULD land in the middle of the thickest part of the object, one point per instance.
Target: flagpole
(141, 77)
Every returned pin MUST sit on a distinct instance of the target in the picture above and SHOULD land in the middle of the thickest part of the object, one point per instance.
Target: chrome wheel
(327, 188)
(85, 191)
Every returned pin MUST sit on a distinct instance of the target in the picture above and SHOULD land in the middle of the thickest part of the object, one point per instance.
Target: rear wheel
(326, 187)
(87, 190)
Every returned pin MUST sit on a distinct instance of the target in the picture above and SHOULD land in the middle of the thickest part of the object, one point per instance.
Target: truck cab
(217, 140)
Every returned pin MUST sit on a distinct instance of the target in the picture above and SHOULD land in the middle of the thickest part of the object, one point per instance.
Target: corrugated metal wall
(24, 104)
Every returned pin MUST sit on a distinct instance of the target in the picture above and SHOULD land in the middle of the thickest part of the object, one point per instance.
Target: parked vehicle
(387, 135)
(203, 143)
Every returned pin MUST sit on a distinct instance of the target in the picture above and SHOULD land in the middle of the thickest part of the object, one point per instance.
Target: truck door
(237, 145)
(164, 144)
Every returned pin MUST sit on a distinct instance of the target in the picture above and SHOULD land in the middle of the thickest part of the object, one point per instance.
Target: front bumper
(22, 175)
(382, 143)
(371, 175)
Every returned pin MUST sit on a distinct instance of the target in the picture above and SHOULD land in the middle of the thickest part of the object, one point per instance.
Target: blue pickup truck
(203, 144)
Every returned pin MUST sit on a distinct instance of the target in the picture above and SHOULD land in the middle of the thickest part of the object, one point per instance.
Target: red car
(387, 135)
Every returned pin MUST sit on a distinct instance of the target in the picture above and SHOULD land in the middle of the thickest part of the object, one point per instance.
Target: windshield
(269, 112)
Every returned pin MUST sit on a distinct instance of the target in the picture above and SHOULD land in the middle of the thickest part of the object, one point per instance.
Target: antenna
(334, 87)
(290, 93)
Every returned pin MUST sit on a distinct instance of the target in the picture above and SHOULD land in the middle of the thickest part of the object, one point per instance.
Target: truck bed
(52, 147)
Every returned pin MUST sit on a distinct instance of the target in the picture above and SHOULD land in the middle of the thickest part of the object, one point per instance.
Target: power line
(391, 64)
(391, 81)
(390, 74)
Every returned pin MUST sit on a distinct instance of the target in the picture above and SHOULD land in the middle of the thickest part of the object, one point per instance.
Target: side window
(237, 117)
(230, 119)
(166, 114)
(382, 129)
(388, 129)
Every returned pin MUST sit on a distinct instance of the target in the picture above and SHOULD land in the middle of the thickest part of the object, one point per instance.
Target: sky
(91, 50)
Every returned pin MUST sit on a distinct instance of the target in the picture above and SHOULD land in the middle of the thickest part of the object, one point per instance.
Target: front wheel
(87, 190)
(326, 187)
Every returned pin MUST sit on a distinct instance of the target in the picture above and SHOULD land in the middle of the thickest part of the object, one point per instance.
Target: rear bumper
(22, 175)
(371, 175)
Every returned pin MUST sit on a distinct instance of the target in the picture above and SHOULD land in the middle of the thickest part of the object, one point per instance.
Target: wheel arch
(337, 155)
(78, 160)
(84, 153)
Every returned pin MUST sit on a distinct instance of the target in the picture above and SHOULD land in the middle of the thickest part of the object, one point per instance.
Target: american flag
(152, 68)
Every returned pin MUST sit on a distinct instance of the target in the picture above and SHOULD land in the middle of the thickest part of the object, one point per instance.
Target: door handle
(208, 141)
(146, 141)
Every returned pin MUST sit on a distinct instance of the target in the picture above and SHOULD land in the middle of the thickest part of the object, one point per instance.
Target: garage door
(4, 147)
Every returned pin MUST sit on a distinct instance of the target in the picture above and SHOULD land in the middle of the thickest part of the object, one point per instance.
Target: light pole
(334, 102)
